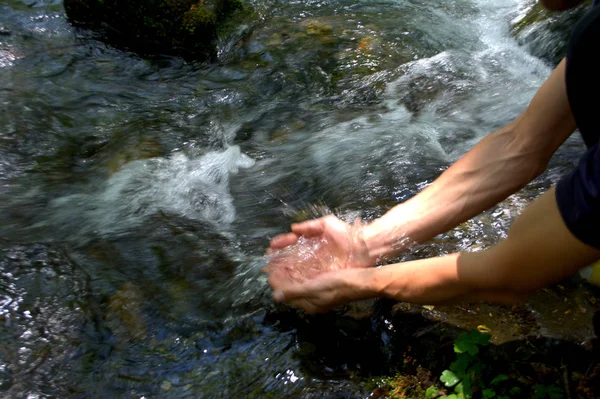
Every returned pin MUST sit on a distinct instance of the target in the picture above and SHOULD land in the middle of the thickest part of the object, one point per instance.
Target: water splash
(197, 189)
(340, 247)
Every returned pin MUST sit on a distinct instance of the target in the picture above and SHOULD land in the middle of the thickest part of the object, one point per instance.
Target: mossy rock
(124, 313)
(145, 149)
(546, 33)
(181, 27)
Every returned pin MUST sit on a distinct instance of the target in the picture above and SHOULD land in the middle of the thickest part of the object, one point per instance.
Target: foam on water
(196, 188)
(482, 88)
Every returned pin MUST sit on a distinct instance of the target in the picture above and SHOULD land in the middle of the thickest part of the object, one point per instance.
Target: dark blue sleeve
(578, 198)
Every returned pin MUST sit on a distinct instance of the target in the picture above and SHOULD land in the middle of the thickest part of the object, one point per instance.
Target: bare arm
(499, 165)
(539, 250)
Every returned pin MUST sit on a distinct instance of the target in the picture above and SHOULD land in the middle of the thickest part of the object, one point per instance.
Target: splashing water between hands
(336, 245)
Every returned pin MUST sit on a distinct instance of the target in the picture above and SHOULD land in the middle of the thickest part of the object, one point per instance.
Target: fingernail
(278, 296)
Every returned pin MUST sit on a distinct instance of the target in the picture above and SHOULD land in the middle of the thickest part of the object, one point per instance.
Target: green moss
(536, 14)
(539, 14)
(199, 17)
(404, 387)
(186, 27)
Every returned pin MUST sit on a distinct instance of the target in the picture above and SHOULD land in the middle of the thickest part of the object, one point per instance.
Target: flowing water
(138, 194)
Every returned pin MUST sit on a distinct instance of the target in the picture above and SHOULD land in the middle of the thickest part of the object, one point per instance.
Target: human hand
(324, 291)
(316, 247)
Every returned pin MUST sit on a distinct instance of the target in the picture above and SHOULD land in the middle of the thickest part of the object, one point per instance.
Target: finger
(293, 291)
(311, 228)
(278, 296)
(281, 241)
(308, 306)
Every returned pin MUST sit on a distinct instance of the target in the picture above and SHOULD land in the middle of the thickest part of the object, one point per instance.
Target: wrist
(387, 236)
(363, 284)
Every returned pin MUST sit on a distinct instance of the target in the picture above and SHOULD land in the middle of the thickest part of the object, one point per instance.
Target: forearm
(496, 167)
(428, 281)
(539, 251)
(436, 281)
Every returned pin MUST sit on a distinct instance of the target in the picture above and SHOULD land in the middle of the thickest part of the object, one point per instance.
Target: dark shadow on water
(336, 346)
(116, 318)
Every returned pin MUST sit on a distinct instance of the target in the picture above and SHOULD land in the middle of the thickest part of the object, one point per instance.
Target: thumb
(310, 228)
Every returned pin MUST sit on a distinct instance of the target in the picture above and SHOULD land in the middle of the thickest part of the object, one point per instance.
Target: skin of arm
(539, 251)
(499, 165)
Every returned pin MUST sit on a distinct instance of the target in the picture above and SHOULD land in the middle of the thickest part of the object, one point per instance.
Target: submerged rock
(43, 308)
(183, 27)
(124, 312)
(145, 149)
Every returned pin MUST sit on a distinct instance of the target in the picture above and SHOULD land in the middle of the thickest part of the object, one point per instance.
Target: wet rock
(319, 29)
(244, 133)
(42, 310)
(184, 27)
(563, 313)
(4, 31)
(145, 149)
(166, 385)
(124, 314)
(5, 378)
(546, 33)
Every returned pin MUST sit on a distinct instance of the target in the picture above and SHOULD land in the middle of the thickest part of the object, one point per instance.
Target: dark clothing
(578, 193)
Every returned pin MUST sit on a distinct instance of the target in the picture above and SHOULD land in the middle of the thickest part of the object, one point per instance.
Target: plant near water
(464, 377)
(547, 391)
(465, 372)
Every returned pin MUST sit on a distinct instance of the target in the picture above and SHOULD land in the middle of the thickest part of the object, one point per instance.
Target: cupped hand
(325, 291)
(313, 248)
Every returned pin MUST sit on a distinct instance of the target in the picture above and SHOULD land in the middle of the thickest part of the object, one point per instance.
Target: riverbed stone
(145, 148)
(124, 312)
(43, 307)
(183, 27)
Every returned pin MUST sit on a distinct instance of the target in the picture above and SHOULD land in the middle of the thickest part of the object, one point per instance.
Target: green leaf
(431, 392)
(515, 391)
(459, 389)
(488, 393)
(554, 392)
(474, 372)
(449, 378)
(453, 396)
(467, 389)
(539, 391)
(499, 378)
(469, 342)
(460, 365)
(465, 347)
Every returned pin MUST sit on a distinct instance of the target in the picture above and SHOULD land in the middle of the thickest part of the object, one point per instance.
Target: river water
(138, 194)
